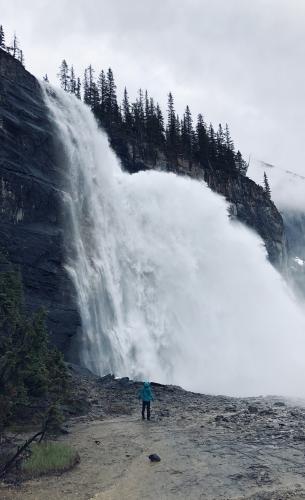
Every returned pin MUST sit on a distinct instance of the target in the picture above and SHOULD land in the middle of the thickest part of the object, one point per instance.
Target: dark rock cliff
(30, 200)
(250, 205)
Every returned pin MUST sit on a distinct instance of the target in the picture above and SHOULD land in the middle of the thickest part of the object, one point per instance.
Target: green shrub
(49, 457)
(29, 367)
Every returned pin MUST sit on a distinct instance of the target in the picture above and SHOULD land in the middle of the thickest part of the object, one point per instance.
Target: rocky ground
(211, 447)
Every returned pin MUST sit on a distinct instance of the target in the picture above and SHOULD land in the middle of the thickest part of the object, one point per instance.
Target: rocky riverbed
(211, 447)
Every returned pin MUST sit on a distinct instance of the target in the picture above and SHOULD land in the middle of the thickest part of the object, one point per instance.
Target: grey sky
(236, 61)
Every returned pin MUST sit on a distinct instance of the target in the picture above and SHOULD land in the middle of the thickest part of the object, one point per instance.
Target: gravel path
(210, 448)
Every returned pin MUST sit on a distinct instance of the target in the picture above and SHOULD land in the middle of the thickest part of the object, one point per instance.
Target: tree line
(142, 126)
(13, 48)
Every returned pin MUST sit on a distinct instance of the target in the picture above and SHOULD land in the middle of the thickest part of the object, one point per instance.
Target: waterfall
(169, 289)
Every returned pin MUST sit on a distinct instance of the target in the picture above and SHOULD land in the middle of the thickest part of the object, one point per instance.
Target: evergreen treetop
(267, 186)
(63, 75)
(139, 125)
(2, 38)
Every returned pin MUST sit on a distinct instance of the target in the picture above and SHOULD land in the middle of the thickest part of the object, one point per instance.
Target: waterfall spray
(168, 287)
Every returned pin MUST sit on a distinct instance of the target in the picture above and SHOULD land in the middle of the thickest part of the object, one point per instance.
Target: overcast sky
(236, 61)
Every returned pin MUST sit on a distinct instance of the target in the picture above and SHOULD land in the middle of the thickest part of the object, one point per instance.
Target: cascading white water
(169, 289)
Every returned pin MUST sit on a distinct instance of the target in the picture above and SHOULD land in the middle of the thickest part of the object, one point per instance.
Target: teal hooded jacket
(146, 393)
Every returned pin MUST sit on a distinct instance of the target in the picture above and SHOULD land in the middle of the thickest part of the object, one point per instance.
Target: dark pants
(146, 404)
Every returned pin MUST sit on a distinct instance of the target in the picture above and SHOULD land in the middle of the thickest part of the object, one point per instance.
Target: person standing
(146, 395)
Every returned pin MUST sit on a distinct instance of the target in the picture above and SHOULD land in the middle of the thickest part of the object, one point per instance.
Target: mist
(287, 186)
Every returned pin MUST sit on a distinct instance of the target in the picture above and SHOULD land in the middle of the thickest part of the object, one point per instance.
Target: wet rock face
(31, 183)
(294, 222)
(250, 205)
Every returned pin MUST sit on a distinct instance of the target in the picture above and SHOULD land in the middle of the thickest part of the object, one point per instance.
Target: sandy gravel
(210, 448)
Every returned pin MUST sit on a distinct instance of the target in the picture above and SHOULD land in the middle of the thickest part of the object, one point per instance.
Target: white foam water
(168, 287)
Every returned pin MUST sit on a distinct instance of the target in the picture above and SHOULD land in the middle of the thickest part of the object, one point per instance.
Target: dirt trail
(210, 448)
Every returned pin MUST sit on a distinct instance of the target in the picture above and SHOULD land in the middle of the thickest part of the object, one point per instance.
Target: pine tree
(127, 116)
(78, 89)
(21, 57)
(220, 141)
(15, 46)
(2, 38)
(29, 367)
(46, 78)
(91, 87)
(228, 141)
(155, 125)
(267, 186)
(140, 102)
(86, 95)
(240, 163)
(111, 105)
(187, 134)
(201, 142)
(212, 144)
(171, 116)
(229, 153)
(95, 98)
(72, 81)
(159, 125)
(138, 118)
(102, 88)
(91, 96)
(63, 75)
(148, 111)
(177, 143)
(172, 130)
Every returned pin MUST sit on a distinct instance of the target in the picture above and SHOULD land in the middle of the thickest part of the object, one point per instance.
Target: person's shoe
(143, 418)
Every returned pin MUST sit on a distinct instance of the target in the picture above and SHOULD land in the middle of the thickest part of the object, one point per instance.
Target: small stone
(164, 413)
(124, 381)
(221, 418)
(64, 431)
(231, 408)
(107, 378)
(266, 412)
(154, 457)
(299, 437)
(252, 409)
